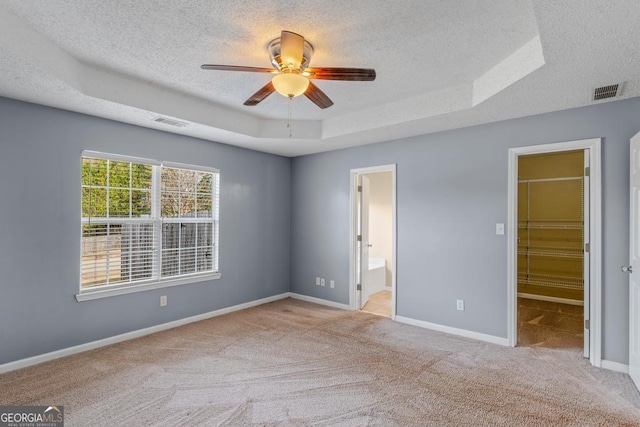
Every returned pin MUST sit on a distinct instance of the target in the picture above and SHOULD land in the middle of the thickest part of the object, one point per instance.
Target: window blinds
(143, 221)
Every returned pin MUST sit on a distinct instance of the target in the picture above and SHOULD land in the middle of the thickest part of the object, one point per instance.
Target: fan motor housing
(274, 53)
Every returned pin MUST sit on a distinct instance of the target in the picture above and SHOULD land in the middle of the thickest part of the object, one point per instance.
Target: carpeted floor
(296, 363)
(550, 324)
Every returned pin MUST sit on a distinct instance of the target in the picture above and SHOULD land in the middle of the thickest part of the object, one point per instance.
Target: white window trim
(116, 290)
(119, 158)
(189, 167)
(105, 291)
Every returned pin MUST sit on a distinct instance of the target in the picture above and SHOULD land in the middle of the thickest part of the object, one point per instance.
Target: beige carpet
(550, 324)
(295, 363)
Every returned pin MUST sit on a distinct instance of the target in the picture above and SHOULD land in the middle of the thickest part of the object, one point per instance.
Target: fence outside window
(146, 221)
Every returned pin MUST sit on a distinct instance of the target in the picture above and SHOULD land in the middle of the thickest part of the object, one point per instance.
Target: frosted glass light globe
(290, 84)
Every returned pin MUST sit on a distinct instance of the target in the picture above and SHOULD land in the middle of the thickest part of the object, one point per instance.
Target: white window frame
(157, 282)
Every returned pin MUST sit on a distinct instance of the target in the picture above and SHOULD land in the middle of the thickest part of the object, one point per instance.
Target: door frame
(353, 231)
(595, 234)
(633, 336)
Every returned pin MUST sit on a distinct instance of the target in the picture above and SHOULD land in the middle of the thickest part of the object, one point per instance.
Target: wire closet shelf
(550, 250)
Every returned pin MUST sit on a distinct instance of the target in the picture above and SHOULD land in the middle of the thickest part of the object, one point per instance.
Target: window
(146, 222)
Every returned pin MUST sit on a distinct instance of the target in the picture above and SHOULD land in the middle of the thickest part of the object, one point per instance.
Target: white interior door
(586, 257)
(364, 240)
(634, 263)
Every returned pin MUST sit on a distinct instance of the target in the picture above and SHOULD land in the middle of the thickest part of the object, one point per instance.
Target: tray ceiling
(440, 65)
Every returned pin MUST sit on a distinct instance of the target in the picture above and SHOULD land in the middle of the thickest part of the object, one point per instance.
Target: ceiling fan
(290, 55)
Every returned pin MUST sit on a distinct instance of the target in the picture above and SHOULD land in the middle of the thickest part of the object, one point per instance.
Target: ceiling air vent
(170, 122)
(604, 92)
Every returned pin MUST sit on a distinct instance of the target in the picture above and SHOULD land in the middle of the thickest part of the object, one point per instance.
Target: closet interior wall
(551, 225)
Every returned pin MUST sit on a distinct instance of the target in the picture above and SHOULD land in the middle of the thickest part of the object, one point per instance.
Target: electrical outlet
(317, 281)
(332, 284)
(322, 281)
(460, 304)
(163, 301)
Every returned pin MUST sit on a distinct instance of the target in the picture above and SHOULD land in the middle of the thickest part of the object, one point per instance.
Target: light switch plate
(499, 229)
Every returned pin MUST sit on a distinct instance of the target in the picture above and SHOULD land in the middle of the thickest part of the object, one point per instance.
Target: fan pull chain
(289, 116)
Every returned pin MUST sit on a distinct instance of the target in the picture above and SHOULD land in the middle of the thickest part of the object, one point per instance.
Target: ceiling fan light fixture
(290, 84)
(290, 54)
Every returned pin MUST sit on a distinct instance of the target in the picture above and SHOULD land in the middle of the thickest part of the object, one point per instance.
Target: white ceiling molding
(407, 110)
(130, 91)
(19, 38)
(522, 62)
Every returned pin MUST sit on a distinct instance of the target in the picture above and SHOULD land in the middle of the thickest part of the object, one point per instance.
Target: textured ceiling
(440, 65)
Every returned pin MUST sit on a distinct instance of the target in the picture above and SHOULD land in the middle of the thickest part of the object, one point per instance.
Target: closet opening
(553, 250)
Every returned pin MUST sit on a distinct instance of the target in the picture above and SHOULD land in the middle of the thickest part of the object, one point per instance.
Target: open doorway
(373, 240)
(553, 273)
(555, 246)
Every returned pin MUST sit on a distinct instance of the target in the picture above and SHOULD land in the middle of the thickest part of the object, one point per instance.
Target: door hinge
(587, 171)
(359, 238)
(587, 324)
(358, 287)
(587, 247)
(359, 188)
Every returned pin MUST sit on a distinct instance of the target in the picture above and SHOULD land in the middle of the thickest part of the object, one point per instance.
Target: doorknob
(627, 269)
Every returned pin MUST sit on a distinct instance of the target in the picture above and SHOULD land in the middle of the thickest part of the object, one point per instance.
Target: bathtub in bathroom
(376, 278)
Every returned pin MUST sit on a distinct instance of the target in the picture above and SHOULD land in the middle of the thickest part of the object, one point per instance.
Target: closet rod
(569, 178)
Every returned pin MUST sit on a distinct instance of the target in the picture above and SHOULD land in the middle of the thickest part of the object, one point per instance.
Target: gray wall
(40, 171)
(452, 189)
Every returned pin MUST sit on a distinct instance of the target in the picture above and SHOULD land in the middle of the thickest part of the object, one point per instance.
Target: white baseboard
(319, 301)
(615, 366)
(550, 299)
(453, 331)
(30, 361)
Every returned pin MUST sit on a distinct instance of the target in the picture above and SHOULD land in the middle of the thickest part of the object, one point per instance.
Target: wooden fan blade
(352, 74)
(237, 68)
(318, 97)
(260, 95)
(291, 49)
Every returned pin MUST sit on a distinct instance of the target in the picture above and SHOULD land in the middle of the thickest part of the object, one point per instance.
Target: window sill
(129, 289)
